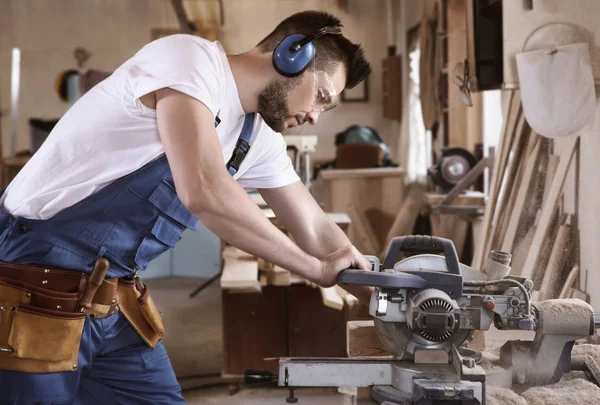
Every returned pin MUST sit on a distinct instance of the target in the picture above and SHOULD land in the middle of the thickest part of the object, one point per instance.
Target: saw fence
(525, 212)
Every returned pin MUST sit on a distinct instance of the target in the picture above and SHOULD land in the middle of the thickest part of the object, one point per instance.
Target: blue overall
(130, 222)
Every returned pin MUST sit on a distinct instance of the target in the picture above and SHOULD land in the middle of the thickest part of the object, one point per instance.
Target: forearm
(324, 238)
(229, 212)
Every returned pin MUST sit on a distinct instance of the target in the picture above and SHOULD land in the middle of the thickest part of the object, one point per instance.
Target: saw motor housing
(452, 301)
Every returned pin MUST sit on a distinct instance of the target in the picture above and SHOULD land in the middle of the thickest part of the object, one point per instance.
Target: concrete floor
(194, 343)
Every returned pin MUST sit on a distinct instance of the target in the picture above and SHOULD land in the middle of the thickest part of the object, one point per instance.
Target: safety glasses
(325, 94)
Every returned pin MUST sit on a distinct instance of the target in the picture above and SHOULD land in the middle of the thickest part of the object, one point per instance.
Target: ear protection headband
(295, 52)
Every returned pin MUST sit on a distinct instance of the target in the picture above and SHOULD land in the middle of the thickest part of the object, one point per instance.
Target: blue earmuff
(292, 63)
(295, 52)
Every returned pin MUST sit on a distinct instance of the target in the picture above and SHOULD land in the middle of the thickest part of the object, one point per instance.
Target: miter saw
(426, 308)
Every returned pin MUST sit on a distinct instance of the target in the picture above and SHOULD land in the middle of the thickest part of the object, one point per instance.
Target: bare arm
(312, 229)
(205, 187)
(298, 211)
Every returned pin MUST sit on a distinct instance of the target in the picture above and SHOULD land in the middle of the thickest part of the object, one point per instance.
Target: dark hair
(330, 49)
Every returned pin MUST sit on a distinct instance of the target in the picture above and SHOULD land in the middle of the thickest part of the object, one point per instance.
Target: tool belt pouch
(138, 308)
(35, 339)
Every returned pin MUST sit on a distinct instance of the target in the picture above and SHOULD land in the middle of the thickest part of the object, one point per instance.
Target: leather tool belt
(43, 311)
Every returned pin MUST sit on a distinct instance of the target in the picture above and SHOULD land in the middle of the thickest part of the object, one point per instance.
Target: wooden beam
(553, 161)
(331, 298)
(279, 276)
(457, 53)
(549, 287)
(240, 275)
(231, 252)
(569, 282)
(548, 208)
(363, 231)
(513, 223)
(405, 220)
(362, 340)
(576, 293)
(513, 106)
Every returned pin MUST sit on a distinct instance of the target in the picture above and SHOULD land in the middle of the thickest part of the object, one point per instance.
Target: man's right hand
(347, 257)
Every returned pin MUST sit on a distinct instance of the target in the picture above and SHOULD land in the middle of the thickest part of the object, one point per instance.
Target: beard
(272, 103)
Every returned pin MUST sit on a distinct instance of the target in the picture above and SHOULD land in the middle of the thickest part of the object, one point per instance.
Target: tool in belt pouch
(40, 322)
(41, 327)
(138, 308)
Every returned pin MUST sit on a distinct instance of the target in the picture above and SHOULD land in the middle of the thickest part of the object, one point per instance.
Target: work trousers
(115, 367)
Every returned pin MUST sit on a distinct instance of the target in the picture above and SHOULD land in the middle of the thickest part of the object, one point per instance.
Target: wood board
(362, 340)
(548, 208)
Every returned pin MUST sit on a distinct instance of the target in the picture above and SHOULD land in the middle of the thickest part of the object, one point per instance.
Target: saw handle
(422, 244)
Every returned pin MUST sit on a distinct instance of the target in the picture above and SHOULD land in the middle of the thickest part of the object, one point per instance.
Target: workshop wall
(48, 32)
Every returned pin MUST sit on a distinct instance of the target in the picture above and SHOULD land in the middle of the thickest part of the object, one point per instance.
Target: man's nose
(312, 117)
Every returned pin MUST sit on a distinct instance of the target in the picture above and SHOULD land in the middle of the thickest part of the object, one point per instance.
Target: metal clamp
(382, 303)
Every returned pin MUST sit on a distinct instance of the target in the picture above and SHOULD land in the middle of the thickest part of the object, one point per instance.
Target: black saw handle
(375, 278)
(382, 280)
(422, 244)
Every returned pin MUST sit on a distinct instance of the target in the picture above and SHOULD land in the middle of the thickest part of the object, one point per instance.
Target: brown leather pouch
(39, 340)
(138, 308)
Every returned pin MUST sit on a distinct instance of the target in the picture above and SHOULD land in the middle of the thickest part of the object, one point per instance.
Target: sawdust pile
(573, 388)
(565, 312)
(503, 396)
(592, 350)
(580, 392)
(490, 362)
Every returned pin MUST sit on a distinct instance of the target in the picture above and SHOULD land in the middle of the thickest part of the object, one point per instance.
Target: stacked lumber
(245, 273)
(524, 215)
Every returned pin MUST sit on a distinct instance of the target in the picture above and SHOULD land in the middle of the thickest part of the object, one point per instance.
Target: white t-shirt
(109, 133)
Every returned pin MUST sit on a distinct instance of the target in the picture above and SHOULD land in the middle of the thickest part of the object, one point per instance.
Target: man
(136, 161)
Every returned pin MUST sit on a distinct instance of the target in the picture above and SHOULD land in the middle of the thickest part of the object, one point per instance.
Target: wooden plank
(510, 169)
(553, 161)
(506, 210)
(576, 293)
(520, 251)
(264, 265)
(363, 232)
(362, 340)
(231, 252)
(331, 298)
(468, 180)
(279, 276)
(549, 287)
(569, 282)
(548, 208)
(240, 275)
(405, 220)
(330, 174)
(457, 53)
(506, 132)
(511, 230)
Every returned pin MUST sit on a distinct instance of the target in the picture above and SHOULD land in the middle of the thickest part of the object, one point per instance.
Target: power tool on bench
(426, 308)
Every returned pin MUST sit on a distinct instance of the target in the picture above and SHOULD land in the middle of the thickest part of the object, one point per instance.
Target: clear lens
(325, 94)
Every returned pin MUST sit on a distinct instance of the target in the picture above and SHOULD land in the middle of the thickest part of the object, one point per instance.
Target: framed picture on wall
(359, 94)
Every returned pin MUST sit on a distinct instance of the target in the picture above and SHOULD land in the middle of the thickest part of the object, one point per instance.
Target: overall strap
(242, 146)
